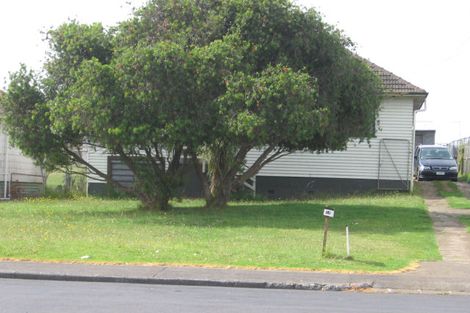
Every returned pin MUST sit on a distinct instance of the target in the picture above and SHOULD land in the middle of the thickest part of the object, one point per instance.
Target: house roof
(397, 86)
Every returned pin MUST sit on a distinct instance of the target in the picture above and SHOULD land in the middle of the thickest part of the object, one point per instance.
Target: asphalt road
(56, 296)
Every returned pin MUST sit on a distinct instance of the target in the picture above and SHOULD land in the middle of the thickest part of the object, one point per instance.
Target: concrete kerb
(189, 282)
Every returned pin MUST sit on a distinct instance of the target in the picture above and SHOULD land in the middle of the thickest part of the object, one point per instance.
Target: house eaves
(396, 86)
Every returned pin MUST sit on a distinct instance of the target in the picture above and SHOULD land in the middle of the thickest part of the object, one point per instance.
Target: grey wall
(425, 137)
(120, 173)
(298, 187)
(18, 190)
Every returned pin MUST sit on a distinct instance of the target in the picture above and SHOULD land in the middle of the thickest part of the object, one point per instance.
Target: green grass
(387, 233)
(466, 221)
(453, 195)
(464, 178)
(55, 180)
(55, 186)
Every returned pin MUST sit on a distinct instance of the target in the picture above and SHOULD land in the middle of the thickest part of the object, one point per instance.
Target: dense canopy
(186, 81)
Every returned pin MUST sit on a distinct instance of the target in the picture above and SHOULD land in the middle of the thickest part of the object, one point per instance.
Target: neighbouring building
(425, 137)
(19, 176)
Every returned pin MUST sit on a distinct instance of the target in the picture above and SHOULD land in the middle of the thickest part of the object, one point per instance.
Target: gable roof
(397, 86)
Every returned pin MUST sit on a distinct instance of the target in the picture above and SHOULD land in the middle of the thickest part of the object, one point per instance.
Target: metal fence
(20, 185)
(461, 149)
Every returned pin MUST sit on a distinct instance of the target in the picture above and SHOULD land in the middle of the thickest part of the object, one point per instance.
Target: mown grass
(464, 178)
(55, 180)
(453, 195)
(466, 221)
(387, 233)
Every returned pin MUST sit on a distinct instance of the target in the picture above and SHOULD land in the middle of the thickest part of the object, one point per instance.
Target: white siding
(98, 157)
(22, 167)
(359, 160)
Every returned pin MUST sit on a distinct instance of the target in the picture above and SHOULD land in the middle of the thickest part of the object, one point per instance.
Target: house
(23, 178)
(425, 137)
(384, 162)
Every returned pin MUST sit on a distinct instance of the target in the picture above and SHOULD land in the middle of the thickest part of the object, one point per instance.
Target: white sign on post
(329, 213)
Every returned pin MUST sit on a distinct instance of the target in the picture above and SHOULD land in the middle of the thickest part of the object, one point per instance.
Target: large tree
(90, 97)
(299, 86)
(208, 80)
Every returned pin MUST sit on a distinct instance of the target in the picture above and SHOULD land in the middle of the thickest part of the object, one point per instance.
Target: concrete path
(452, 237)
(453, 272)
(452, 275)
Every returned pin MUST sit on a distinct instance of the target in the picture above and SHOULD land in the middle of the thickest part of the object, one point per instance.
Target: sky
(425, 42)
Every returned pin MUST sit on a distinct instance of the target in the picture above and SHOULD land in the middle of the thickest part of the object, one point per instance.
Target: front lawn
(453, 195)
(387, 233)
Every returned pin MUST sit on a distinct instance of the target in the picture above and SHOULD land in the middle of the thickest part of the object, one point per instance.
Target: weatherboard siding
(361, 159)
(98, 157)
(358, 161)
(22, 167)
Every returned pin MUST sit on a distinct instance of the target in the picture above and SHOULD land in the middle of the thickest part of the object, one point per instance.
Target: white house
(383, 163)
(19, 176)
(22, 176)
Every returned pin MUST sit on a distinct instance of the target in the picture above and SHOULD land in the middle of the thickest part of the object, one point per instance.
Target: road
(56, 296)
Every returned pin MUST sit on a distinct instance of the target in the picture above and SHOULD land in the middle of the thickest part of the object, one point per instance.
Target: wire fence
(461, 149)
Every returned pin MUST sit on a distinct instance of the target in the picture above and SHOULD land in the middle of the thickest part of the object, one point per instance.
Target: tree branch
(158, 153)
(153, 163)
(238, 160)
(265, 158)
(275, 156)
(84, 174)
(202, 177)
(175, 162)
(77, 158)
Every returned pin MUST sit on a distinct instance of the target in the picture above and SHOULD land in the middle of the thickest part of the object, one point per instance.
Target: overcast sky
(425, 42)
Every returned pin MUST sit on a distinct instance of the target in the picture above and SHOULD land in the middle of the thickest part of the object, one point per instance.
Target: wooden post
(325, 234)
(327, 213)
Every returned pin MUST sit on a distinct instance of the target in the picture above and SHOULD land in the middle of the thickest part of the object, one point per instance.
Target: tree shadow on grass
(363, 219)
(353, 260)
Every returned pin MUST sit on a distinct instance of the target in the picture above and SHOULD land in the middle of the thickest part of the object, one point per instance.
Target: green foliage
(465, 178)
(70, 44)
(453, 195)
(466, 221)
(26, 117)
(59, 187)
(461, 158)
(184, 78)
(276, 105)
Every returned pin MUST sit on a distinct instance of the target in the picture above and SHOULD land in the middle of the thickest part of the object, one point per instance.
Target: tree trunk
(154, 203)
(68, 182)
(227, 171)
(203, 179)
(220, 191)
